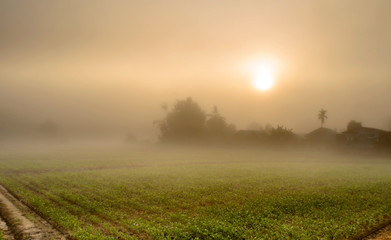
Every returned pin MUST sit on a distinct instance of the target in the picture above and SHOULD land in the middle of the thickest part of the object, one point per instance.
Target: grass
(202, 194)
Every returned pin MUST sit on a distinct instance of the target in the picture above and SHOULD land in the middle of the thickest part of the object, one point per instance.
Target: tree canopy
(186, 121)
(216, 124)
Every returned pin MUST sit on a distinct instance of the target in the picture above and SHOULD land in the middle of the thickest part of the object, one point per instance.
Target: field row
(178, 195)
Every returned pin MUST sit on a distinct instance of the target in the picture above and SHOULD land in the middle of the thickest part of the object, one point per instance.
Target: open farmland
(159, 193)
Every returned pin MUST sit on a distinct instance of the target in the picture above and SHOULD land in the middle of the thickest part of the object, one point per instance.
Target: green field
(157, 193)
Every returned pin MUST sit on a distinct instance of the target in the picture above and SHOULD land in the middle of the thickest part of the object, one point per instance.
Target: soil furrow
(382, 234)
(23, 222)
(37, 190)
(5, 232)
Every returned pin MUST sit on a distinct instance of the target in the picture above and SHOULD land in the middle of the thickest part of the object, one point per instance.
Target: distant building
(321, 136)
(364, 138)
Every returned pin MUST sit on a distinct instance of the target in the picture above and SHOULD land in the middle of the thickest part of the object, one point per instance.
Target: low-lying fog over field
(142, 119)
(106, 68)
(199, 193)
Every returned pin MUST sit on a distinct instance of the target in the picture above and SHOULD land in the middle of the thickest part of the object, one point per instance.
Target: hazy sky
(113, 64)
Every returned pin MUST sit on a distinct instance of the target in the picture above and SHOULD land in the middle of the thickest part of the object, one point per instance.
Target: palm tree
(322, 116)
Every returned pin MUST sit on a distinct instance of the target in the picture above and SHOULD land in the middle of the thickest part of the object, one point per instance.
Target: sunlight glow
(264, 74)
(264, 82)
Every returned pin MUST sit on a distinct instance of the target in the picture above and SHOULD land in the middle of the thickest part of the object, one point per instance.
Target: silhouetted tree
(165, 107)
(215, 124)
(130, 138)
(282, 134)
(353, 125)
(268, 128)
(322, 116)
(49, 128)
(231, 129)
(255, 126)
(11, 124)
(186, 121)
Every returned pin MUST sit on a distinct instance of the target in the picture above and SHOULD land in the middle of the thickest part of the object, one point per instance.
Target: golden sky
(113, 64)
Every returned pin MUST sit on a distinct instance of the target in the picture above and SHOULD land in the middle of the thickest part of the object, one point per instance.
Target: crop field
(167, 193)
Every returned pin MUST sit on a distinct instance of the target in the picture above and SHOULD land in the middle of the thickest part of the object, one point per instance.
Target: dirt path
(7, 235)
(20, 222)
(383, 234)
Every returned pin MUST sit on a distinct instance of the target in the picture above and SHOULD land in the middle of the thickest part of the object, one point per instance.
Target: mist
(104, 69)
(154, 119)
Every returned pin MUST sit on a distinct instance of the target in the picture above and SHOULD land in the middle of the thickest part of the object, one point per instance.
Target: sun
(264, 81)
(264, 75)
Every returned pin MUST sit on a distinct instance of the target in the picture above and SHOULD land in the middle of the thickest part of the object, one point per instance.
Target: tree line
(187, 122)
